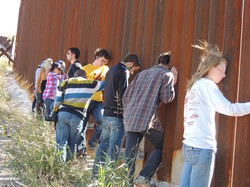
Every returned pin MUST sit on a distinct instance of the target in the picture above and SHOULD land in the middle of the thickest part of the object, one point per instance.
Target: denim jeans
(96, 109)
(133, 140)
(111, 141)
(68, 130)
(198, 166)
(49, 103)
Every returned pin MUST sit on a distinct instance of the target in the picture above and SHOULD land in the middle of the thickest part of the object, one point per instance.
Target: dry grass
(31, 156)
(24, 84)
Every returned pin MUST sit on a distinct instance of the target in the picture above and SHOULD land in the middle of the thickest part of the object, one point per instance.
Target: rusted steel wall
(148, 27)
(241, 162)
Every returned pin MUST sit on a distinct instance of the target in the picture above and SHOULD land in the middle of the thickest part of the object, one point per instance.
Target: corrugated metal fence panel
(171, 109)
(226, 127)
(241, 174)
(148, 27)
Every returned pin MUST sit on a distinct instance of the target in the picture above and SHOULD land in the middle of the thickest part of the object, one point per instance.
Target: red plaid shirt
(142, 98)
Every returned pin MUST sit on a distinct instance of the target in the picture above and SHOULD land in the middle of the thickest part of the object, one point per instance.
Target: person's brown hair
(80, 73)
(132, 58)
(100, 52)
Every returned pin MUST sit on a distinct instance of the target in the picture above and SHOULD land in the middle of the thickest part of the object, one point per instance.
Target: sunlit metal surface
(148, 27)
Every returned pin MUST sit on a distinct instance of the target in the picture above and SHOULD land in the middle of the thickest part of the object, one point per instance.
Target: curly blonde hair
(211, 57)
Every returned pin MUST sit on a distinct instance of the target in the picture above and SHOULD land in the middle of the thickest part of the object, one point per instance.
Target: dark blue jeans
(68, 129)
(133, 140)
(95, 108)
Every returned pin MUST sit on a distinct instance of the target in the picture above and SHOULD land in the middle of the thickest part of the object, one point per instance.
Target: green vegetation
(31, 155)
(34, 159)
(112, 174)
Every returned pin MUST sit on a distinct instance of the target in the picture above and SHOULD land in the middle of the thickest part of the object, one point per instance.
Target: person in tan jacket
(41, 83)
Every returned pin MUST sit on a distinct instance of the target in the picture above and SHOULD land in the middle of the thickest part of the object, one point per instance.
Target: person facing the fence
(72, 99)
(95, 71)
(72, 56)
(112, 136)
(37, 73)
(54, 77)
(41, 81)
(141, 103)
(41, 84)
(203, 99)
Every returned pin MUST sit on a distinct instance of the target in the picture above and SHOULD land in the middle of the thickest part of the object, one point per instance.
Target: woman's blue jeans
(198, 167)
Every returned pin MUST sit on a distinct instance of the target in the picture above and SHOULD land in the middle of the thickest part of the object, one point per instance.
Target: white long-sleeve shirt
(201, 103)
(38, 70)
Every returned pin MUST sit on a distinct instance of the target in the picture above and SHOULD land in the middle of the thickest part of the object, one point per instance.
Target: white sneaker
(141, 181)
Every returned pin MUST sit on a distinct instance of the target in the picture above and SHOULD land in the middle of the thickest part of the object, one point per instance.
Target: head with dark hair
(164, 58)
(53, 66)
(80, 73)
(75, 51)
(100, 52)
(56, 68)
(131, 57)
(102, 57)
(132, 62)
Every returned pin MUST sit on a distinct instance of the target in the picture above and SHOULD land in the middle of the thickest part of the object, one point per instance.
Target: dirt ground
(21, 101)
(5, 177)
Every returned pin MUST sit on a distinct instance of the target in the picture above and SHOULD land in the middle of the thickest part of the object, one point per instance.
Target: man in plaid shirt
(141, 102)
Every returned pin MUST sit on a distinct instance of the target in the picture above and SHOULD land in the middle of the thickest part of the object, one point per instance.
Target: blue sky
(9, 10)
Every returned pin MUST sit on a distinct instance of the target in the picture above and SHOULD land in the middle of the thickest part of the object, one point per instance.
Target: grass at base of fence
(31, 155)
(113, 173)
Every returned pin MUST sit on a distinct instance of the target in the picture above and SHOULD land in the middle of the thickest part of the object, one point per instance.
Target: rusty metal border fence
(47, 28)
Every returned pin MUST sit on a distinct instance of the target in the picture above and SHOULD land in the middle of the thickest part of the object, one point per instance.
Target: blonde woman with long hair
(203, 99)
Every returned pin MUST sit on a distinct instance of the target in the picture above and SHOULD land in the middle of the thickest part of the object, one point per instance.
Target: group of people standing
(131, 110)
(117, 112)
(49, 75)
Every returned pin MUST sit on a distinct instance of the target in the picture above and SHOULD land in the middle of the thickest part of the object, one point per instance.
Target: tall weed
(34, 159)
(112, 174)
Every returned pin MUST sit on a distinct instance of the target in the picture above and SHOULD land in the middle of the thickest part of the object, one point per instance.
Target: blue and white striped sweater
(78, 92)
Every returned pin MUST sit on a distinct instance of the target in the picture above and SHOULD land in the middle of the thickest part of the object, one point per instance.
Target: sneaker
(81, 154)
(141, 181)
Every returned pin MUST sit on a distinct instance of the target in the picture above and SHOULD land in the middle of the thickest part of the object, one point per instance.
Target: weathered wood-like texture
(149, 27)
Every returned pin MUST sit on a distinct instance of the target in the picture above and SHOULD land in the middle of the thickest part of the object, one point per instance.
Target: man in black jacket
(116, 82)
(73, 55)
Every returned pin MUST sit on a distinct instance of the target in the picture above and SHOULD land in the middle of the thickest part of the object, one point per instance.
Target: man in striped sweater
(72, 99)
